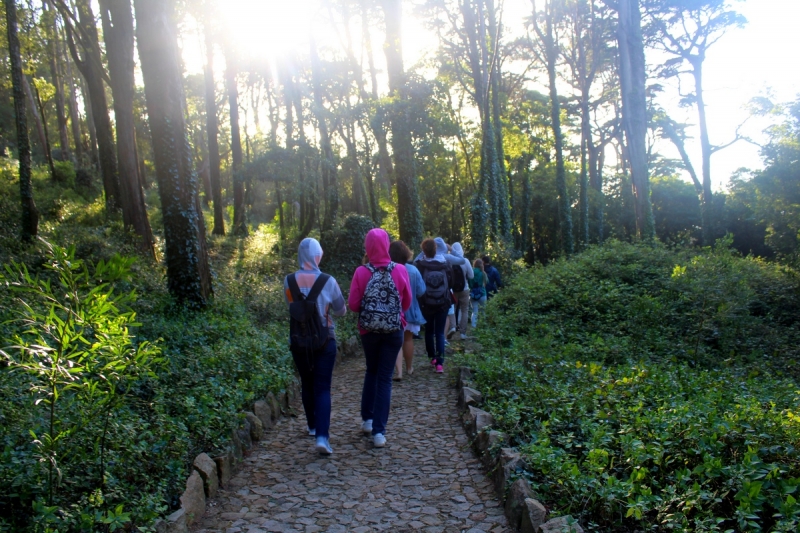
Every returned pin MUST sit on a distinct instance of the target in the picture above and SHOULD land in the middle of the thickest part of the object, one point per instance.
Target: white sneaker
(379, 440)
(366, 427)
(451, 333)
(323, 446)
(463, 337)
(312, 432)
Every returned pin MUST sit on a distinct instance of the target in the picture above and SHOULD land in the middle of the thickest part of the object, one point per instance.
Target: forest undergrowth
(650, 389)
(107, 389)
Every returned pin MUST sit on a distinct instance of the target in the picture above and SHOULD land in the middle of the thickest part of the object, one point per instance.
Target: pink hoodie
(377, 246)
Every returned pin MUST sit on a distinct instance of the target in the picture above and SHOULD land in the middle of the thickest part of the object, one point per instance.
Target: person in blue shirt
(400, 254)
(493, 281)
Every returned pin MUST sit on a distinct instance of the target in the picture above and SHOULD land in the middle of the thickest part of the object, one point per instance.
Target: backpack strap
(318, 286)
(291, 281)
(298, 296)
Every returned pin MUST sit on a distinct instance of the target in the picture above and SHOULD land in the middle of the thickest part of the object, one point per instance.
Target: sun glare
(271, 28)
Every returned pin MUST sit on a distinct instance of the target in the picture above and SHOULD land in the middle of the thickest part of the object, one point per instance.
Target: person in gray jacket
(462, 296)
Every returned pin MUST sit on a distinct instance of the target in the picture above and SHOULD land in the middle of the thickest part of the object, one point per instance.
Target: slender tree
(118, 32)
(329, 175)
(82, 32)
(212, 125)
(56, 74)
(544, 26)
(409, 212)
(30, 215)
(633, 76)
(188, 273)
(687, 30)
(239, 218)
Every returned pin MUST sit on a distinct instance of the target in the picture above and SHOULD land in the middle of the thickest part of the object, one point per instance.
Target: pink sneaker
(439, 369)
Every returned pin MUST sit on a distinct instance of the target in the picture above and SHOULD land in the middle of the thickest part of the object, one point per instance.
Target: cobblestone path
(425, 479)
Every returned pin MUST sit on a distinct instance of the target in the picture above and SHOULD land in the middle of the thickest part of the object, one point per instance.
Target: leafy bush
(647, 389)
(344, 246)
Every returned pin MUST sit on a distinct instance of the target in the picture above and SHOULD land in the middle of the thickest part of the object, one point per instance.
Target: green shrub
(343, 247)
(648, 389)
(64, 173)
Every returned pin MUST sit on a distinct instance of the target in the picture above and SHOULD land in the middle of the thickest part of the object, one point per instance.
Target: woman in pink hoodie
(380, 348)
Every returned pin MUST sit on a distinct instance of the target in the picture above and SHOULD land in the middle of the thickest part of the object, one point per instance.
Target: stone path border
(425, 479)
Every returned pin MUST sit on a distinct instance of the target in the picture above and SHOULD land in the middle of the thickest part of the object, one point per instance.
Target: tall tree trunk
(504, 220)
(705, 148)
(408, 207)
(586, 149)
(30, 215)
(119, 37)
(48, 152)
(87, 108)
(188, 273)
(74, 115)
(92, 69)
(634, 111)
(564, 205)
(385, 167)
(56, 74)
(239, 221)
(329, 178)
(212, 130)
(37, 117)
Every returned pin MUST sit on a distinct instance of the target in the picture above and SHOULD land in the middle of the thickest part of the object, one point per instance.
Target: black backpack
(459, 280)
(306, 330)
(437, 290)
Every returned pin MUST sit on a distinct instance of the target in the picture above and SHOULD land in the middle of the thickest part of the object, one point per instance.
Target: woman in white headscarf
(316, 369)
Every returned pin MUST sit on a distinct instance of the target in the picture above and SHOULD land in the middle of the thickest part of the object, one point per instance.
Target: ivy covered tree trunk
(92, 69)
(188, 273)
(634, 111)
(30, 216)
(118, 33)
(239, 218)
(212, 129)
(74, 116)
(409, 213)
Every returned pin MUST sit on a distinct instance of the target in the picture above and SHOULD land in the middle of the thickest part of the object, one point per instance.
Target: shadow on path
(425, 479)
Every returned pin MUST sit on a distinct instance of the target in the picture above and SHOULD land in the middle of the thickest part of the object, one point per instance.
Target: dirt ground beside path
(425, 479)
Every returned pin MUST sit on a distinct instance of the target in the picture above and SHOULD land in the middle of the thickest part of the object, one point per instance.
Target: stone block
(224, 468)
(256, 427)
(207, 469)
(237, 447)
(475, 420)
(468, 396)
(174, 523)
(533, 516)
(262, 411)
(284, 400)
(562, 524)
(464, 374)
(193, 500)
(508, 463)
(486, 441)
(518, 492)
(244, 434)
(274, 405)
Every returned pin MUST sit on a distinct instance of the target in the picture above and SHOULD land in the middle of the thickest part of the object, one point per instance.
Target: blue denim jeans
(316, 370)
(434, 334)
(380, 352)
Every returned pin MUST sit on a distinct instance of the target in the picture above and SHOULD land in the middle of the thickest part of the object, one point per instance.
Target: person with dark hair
(493, 281)
(435, 303)
(380, 294)
(400, 254)
(316, 367)
(477, 291)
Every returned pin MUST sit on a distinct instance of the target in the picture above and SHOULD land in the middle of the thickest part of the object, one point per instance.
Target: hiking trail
(426, 479)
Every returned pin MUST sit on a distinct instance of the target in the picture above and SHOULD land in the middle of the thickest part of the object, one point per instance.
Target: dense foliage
(141, 386)
(650, 389)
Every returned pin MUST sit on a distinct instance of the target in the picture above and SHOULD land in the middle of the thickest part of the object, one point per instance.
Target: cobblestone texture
(426, 479)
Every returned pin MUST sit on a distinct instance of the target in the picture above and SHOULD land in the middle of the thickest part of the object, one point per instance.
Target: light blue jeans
(476, 305)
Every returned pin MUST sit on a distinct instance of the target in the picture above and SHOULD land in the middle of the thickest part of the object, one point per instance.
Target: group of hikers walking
(394, 299)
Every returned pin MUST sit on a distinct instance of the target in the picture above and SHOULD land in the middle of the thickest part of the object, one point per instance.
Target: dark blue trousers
(380, 352)
(434, 333)
(316, 370)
